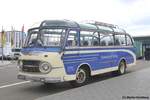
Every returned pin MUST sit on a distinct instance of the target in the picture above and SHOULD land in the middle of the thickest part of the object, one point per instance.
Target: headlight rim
(41, 67)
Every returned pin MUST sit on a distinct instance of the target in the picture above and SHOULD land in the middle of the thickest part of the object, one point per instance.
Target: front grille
(31, 62)
(30, 66)
(30, 69)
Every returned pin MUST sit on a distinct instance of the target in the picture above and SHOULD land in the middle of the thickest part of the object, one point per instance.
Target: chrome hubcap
(81, 76)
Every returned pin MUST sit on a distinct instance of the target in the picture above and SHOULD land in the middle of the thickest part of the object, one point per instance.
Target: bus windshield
(46, 38)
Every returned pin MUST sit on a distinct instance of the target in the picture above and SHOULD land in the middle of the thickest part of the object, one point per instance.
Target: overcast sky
(132, 15)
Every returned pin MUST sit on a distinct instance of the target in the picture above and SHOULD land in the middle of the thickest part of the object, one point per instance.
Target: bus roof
(97, 26)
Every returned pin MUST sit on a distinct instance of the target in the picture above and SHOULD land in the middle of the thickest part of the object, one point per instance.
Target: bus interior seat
(95, 43)
(110, 43)
(117, 42)
(85, 43)
(103, 43)
(74, 42)
(69, 43)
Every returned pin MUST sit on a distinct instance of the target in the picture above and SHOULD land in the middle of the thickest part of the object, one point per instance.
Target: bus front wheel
(82, 78)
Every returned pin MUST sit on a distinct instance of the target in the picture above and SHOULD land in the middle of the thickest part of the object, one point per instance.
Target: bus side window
(129, 41)
(85, 38)
(72, 39)
(88, 38)
(95, 39)
(33, 38)
(120, 40)
(106, 40)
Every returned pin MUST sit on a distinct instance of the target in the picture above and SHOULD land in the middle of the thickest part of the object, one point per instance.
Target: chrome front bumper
(41, 79)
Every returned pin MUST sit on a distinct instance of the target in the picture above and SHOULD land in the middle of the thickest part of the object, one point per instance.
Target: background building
(142, 44)
(12, 42)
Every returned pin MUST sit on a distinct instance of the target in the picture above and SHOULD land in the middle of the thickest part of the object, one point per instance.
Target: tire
(82, 78)
(122, 68)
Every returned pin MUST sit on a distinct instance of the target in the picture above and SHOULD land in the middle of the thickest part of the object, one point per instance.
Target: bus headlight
(20, 64)
(45, 67)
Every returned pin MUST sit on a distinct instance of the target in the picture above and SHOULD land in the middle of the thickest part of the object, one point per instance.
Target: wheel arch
(86, 66)
(123, 59)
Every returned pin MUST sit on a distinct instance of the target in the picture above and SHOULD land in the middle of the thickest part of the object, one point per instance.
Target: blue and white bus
(63, 50)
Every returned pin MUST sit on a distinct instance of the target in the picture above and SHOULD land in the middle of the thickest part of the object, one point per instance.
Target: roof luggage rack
(114, 28)
(105, 24)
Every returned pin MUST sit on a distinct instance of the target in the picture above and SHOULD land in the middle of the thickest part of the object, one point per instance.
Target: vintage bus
(63, 50)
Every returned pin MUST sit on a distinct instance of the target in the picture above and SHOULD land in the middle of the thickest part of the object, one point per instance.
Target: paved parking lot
(135, 83)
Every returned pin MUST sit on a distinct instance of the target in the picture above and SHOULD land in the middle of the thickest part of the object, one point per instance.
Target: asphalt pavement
(103, 87)
(5, 63)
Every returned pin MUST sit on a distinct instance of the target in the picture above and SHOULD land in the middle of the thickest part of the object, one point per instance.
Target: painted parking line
(4, 67)
(6, 64)
(14, 84)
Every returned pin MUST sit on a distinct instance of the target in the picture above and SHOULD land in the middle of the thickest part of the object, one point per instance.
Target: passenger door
(71, 52)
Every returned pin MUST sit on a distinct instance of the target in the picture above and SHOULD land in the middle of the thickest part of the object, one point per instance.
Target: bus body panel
(74, 58)
(97, 58)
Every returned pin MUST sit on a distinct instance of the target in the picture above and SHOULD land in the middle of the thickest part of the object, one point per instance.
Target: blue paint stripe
(111, 48)
(45, 49)
(58, 49)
